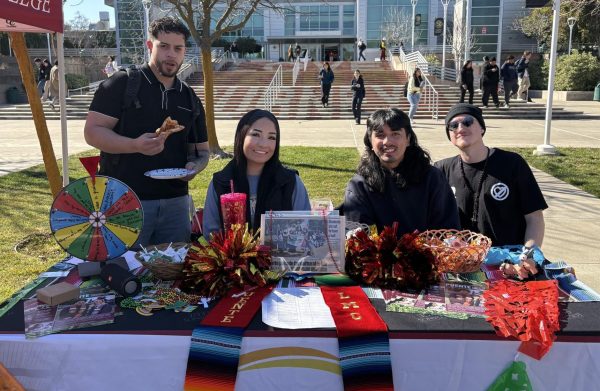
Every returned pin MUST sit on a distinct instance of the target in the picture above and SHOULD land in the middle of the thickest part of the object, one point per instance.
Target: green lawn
(577, 166)
(25, 203)
(26, 249)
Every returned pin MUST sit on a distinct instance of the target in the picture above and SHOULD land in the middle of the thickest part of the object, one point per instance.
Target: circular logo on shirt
(499, 191)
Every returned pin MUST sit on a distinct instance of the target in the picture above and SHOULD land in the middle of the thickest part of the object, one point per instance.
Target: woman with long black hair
(395, 181)
(466, 81)
(326, 76)
(358, 92)
(257, 171)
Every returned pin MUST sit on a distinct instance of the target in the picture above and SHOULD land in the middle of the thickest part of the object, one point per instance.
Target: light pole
(547, 148)
(147, 4)
(412, 43)
(445, 4)
(571, 21)
(468, 31)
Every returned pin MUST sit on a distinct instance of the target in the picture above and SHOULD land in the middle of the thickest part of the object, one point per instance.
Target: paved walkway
(572, 220)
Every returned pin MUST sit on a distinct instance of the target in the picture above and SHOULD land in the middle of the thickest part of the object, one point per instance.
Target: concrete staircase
(242, 86)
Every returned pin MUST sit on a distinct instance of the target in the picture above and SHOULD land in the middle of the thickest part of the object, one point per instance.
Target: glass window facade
(289, 23)
(379, 11)
(485, 22)
(132, 36)
(319, 17)
(349, 24)
(254, 27)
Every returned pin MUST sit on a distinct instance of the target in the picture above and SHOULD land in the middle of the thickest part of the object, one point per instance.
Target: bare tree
(591, 7)
(82, 38)
(536, 24)
(455, 37)
(397, 26)
(79, 31)
(225, 17)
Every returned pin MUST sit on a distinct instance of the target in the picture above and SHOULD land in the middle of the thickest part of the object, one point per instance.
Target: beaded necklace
(479, 186)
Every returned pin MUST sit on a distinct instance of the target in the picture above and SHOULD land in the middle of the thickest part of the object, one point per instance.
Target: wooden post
(209, 104)
(7, 380)
(26, 69)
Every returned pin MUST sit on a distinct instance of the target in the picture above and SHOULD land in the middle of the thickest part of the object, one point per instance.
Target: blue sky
(87, 8)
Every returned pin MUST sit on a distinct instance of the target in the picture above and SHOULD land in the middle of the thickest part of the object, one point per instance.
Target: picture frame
(304, 242)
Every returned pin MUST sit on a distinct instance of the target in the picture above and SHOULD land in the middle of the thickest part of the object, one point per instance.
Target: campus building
(331, 29)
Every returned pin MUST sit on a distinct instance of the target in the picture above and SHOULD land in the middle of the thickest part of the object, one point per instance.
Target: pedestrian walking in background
(40, 78)
(358, 94)
(486, 61)
(47, 67)
(327, 77)
(53, 85)
(234, 51)
(466, 81)
(413, 94)
(298, 50)
(491, 77)
(361, 48)
(523, 74)
(111, 66)
(509, 76)
(290, 53)
(382, 49)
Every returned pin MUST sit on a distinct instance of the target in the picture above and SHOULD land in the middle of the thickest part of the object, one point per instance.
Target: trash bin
(12, 95)
(15, 96)
(597, 93)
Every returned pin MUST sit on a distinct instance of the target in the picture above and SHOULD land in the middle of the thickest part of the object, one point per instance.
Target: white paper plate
(168, 173)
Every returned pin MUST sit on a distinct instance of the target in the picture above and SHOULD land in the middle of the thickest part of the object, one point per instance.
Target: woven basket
(164, 268)
(466, 257)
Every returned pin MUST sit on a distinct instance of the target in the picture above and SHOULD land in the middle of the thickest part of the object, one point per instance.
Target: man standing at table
(496, 192)
(126, 133)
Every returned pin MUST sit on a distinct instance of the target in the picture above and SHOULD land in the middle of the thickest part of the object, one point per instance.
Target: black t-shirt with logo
(157, 103)
(509, 192)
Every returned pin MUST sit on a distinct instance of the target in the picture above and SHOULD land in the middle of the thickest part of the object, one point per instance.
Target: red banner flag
(43, 14)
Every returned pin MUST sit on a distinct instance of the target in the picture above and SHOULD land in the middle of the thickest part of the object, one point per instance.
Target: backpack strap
(130, 96)
(130, 101)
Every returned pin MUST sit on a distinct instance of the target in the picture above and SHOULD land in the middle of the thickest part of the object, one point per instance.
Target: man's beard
(161, 69)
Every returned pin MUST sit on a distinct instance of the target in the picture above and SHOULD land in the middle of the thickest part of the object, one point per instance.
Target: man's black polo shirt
(157, 104)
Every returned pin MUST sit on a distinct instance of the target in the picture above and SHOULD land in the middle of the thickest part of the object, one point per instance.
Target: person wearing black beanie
(496, 192)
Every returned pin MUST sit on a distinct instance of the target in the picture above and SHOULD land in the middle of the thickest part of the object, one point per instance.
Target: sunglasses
(466, 122)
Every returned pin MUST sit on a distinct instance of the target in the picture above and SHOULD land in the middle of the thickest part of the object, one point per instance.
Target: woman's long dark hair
(417, 79)
(416, 160)
(465, 65)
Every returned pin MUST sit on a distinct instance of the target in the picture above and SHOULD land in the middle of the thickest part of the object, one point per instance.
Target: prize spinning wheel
(96, 220)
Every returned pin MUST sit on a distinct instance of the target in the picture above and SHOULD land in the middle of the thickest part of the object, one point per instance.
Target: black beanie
(464, 108)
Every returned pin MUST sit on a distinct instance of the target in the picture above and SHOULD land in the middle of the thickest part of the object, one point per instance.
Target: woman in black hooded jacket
(466, 81)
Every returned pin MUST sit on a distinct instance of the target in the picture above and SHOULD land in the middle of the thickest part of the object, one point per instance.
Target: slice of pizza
(168, 127)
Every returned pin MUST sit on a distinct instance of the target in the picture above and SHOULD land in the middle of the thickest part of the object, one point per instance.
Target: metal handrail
(274, 88)
(76, 52)
(90, 87)
(436, 70)
(191, 64)
(417, 57)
